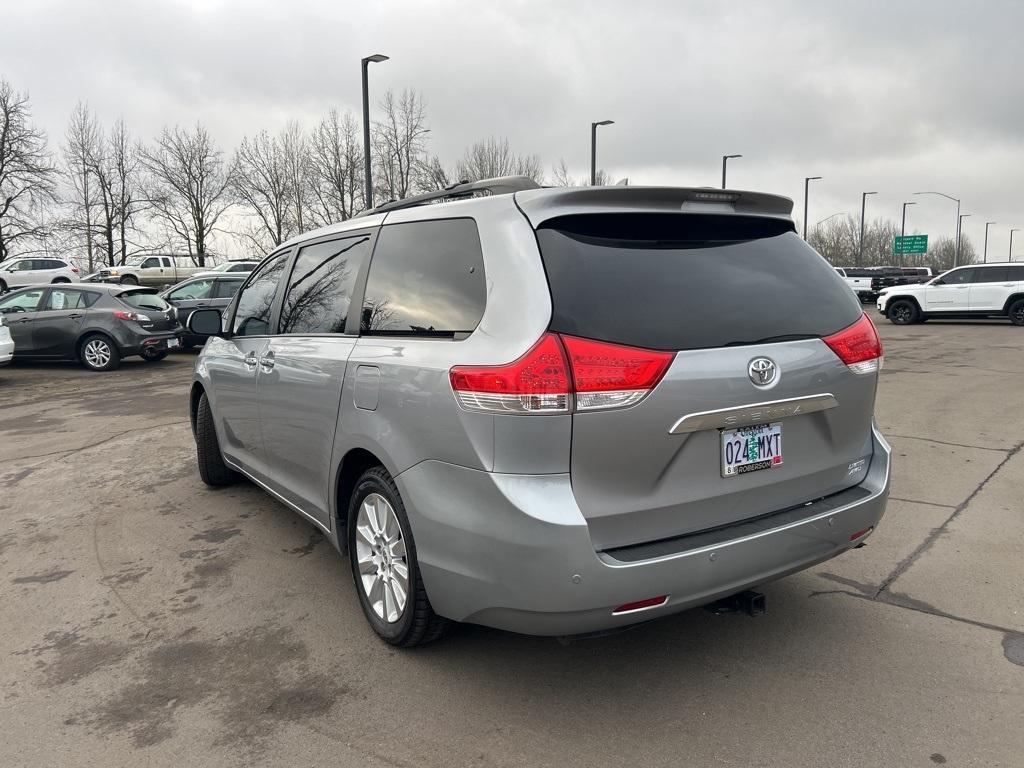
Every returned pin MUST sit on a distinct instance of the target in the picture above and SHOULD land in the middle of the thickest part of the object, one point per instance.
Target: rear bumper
(514, 551)
(6, 349)
(131, 341)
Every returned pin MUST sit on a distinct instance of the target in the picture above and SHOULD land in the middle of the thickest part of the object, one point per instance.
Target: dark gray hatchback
(97, 325)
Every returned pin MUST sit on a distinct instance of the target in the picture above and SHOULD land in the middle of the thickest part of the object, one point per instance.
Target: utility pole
(860, 246)
(807, 182)
(376, 58)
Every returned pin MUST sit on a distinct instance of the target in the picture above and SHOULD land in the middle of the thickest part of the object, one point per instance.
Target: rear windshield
(684, 281)
(144, 300)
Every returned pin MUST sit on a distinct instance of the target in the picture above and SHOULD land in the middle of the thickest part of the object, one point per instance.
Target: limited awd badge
(762, 371)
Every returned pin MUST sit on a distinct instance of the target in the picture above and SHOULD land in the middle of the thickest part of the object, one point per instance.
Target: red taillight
(74, 269)
(546, 378)
(536, 382)
(639, 605)
(862, 534)
(858, 346)
(130, 316)
(609, 375)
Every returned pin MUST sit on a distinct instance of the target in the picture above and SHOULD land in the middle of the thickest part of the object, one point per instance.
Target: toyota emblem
(762, 371)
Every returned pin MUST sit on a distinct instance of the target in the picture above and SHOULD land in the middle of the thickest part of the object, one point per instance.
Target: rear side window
(252, 315)
(426, 279)
(990, 275)
(144, 300)
(225, 289)
(63, 298)
(1015, 273)
(320, 286)
(683, 281)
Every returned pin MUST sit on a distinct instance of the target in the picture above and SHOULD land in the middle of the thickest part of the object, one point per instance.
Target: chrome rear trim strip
(755, 413)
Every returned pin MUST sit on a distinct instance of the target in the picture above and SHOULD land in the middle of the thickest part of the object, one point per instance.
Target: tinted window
(958, 276)
(1015, 273)
(426, 278)
(989, 275)
(678, 281)
(252, 316)
(320, 287)
(225, 289)
(150, 263)
(54, 264)
(198, 289)
(62, 298)
(241, 268)
(21, 302)
(144, 300)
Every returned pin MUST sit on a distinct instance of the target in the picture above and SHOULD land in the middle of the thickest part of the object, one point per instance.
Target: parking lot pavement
(147, 619)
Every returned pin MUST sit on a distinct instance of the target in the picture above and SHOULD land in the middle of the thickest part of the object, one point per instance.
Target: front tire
(99, 353)
(384, 566)
(1016, 312)
(212, 469)
(903, 312)
(129, 280)
(3, 287)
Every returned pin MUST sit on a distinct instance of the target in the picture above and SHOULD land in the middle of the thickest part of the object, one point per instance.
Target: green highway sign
(910, 244)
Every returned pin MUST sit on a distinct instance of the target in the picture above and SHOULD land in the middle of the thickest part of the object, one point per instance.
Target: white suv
(978, 290)
(25, 271)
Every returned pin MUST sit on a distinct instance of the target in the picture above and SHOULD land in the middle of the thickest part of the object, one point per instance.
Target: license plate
(172, 343)
(749, 449)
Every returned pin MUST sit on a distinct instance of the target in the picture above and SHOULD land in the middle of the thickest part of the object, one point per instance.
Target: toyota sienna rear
(553, 411)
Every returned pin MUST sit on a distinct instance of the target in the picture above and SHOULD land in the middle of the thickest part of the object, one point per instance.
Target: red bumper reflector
(861, 534)
(639, 605)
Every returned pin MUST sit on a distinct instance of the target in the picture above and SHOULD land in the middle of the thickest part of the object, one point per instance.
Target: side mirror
(938, 282)
(205, 322)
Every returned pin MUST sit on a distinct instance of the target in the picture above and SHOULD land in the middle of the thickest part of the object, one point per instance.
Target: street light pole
(726, 159)
(376, 58)
(984, 258)
(1010, 255)
(593, 149)
(959, 233)
(956, 250)
(860, 246)
(903, 226)
(807, 182)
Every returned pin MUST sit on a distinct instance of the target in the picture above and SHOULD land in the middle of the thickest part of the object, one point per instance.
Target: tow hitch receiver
(749, 602)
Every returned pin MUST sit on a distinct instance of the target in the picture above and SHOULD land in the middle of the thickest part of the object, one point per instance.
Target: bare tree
(562, 177)
(335, 169)
(400, 144)
(295, 152)
(28, 176)
(81, 151)
(189, 187)
(261, 183)
(494, 157)
(433, 176)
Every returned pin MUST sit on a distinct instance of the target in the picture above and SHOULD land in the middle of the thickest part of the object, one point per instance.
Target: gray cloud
(871, 95)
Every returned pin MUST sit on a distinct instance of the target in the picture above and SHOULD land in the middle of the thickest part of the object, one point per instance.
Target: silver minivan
(551, 411)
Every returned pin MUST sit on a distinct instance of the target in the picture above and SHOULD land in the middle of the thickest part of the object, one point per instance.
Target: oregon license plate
(749, 449)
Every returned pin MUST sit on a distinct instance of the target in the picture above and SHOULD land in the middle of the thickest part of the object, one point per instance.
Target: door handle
(267, 362)
(250, 360)
(24, 320)
(74, 316)
(1008, 285)
(962, 287)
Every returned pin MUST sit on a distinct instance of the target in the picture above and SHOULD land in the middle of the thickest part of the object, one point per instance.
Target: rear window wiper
(773, 339)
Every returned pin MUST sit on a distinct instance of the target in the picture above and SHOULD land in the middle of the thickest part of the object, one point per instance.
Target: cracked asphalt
(145, 619)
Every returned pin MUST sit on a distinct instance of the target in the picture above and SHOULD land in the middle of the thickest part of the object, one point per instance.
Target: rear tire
(903, 312)
(98, 353)
(1016, 312)
(129, 280)
(212, 469)
(3, 287)
(60, 280)
(381, 548)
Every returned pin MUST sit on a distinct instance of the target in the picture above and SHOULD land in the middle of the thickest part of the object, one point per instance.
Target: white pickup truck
(151, 270)
(860, 281)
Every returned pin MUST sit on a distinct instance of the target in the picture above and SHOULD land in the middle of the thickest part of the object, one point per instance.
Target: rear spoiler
(539, 205)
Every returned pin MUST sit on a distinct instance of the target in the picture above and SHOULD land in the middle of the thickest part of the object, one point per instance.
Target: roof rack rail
(461, 190)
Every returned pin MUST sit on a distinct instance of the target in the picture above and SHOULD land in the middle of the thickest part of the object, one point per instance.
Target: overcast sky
(891, 96)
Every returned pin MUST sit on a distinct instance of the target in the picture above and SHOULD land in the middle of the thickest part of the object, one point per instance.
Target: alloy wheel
(901, 313)
(97, 353)
(381, 556)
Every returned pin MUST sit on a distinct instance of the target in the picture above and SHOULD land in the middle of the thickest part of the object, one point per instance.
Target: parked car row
(977, 290)
(95, 324)
(156, 271)
(867, 282)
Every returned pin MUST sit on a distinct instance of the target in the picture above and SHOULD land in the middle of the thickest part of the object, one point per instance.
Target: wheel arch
(195, 393)
(350, 469)
(87, 333)
(1014, 298)
(903, 297)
